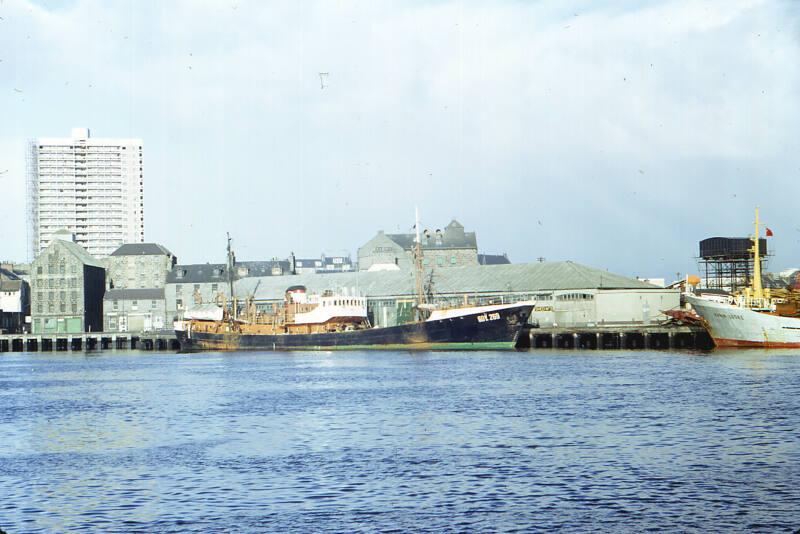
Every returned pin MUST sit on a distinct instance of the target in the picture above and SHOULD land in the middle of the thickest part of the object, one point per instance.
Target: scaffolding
(727, 262)
(32, 199)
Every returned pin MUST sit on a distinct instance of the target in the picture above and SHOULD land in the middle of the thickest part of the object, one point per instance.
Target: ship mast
(230, 274)
(758, 291)
(418, 269)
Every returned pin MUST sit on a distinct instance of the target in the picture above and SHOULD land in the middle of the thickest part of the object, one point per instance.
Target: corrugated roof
(141, 249)
(528, 277)
(134, 294)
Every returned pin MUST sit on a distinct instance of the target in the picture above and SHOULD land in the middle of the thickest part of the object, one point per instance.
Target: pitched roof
(493, 259)
(135, 294)
(10, 285)
(523, 277)
(218, 272)
(141, 249)
(449, 240)
(198, 273)
(9, 281)
(262, 268)
(6, 274)
(76, 250)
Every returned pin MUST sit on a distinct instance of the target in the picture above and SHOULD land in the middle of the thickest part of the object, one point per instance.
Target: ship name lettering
(729, 316)
(482, 318)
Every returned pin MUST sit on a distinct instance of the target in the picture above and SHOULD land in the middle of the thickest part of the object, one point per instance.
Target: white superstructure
(93, 187)
(330, 307)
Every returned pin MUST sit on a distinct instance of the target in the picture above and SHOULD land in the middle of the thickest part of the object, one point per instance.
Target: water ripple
(397, 442)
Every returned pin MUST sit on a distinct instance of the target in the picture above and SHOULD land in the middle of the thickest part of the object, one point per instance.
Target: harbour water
(400, 442)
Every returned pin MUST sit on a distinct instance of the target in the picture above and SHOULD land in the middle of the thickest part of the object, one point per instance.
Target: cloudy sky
(615, 135)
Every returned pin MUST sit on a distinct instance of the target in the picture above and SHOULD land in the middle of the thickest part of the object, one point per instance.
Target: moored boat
(755, 318)
(471, 328)
(737, 325)
(340, 321)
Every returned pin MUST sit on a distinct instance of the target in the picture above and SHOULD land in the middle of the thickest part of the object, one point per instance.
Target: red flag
(769, 233)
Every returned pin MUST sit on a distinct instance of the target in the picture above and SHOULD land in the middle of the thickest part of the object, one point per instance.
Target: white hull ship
(752, 319)
(734, 325)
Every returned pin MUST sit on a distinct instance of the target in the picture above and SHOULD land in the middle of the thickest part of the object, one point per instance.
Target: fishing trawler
(335, 320)
(757, 317)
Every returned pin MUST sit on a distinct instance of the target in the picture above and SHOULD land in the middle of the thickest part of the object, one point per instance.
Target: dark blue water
(397, 442)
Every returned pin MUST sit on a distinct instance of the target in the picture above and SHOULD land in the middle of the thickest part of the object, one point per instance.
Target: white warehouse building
(92, 187)
(567, 294)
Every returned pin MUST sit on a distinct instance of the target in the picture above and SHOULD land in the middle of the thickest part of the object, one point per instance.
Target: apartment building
(92, 187)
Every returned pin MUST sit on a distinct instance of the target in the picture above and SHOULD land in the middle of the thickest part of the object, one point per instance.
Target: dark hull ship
(339, 321)
(498, 328)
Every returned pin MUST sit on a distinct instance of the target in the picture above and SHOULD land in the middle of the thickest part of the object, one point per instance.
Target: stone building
(135, 310)
(452, 247)
(191, 286)
(67, 286)
(139, 266)
(14, 302)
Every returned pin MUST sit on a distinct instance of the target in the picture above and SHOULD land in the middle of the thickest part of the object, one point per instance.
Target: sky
(614, 134)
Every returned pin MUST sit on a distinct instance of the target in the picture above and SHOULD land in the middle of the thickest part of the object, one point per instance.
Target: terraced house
(67, 285)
